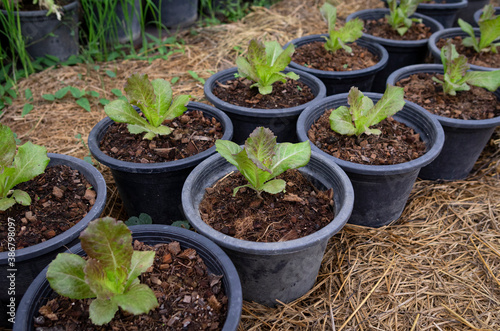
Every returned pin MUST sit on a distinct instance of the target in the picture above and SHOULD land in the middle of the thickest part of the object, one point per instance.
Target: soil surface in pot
(475, 104)
(189, 297)
(192, 134)
(314, 55)
(60, 198)
(300, 211)
(484, 59)
(284, 95)
(380, 28)
(397, 143)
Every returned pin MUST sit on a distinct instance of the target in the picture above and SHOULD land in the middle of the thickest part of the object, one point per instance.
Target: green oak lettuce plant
(109, 275)
(362, 113)
(489, 28)
(338, 39)
(154, 99)
(399, 16)
(16, 167)
(457, 77)
(262, 159)
(264, 63)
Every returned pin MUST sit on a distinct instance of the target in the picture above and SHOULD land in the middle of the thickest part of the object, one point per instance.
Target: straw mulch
(438, 268)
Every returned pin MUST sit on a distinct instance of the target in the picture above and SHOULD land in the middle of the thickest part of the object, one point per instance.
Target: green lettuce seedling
(338, 39)
(457, 78)
(110, 274)
(154, 99)
(264, 63)
(262, 159)
(15, 168)
(398, 17)
(362, 114)
(489, 28)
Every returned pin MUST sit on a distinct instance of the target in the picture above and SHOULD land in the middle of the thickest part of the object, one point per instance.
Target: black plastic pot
(245, 120)
(46, 35)
(401, 52)
(443, 11)
(479, 12)
(128, 25)
(154, 188)
(450, 33)
(464, 139)
(341, 81)
(175, 13)
(467, 13)
(215, 259)
(272, 271)
(380, 191)
(31, 260)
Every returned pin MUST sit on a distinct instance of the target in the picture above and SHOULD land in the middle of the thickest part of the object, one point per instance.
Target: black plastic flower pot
(29, 261)
(381, 191)
(245, 120)
(46, 35)
(443, 11)
(175, 13)
(154, 188)
(450, 33)
(341, 81)
(467, 13)
(479, 12)
(401, 52)
(217, 262)
(464, 139)
(281, 271)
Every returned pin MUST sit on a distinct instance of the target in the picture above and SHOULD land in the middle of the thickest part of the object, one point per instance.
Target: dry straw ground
(438, 268)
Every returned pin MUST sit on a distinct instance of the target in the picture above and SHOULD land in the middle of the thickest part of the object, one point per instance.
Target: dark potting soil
(396, 144)
(315, 56)
(484, 59)
(475, 104)
(380, 28)
(60, 198)
(300, 211)
(189, 297)
(192, 134)
(284, 95)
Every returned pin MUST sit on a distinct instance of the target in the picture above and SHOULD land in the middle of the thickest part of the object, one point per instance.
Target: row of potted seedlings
(358, 155)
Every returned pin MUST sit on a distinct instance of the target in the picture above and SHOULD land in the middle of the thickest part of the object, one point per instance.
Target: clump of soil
(284, 95)
(189, 297)
(475, 104)
(300, 211)
(380, 28)
(397, 143)
(60, 198)
(314, 55)
(192, 134)
(484, 59)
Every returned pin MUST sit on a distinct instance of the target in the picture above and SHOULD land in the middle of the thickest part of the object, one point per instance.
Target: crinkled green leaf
(138, 299)
(102, 282)
(274, 186)
(391, 102)
(21, 197)
(66, 276)
(122, 112)
(7, 147)
(489, 80)
(6, 203)
(141, 261)
(290, 156)
(341, 121)
(255, 176)
(227, 149)
(277, 58)
(178, 107)
(471, 40)
(102, 311)
(490, 31)
(329, 13)
(260, 147)
(246, 70)
(399, 15)
(163, 92)
(360, 104)
(6, 173)
(29, 162)
(140, 93)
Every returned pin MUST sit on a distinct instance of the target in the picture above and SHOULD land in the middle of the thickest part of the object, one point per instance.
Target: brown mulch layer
(284, 95)
(315, 56)
(189, 298)
(300, 211)
(484, 59)
(60, 198)
(396, 144)
(192, 134)
(380, 28)
(475, 104)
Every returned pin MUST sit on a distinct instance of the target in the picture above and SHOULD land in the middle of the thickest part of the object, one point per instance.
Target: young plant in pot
(479, 45)
(151, 155)
(401, 31)
(262, 91)
(272, 220)
(149, 277)
(466, 103)
(380, 146)
(340, 58)
(45, 201)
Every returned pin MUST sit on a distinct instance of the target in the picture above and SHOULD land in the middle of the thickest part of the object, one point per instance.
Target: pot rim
(42, 13)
